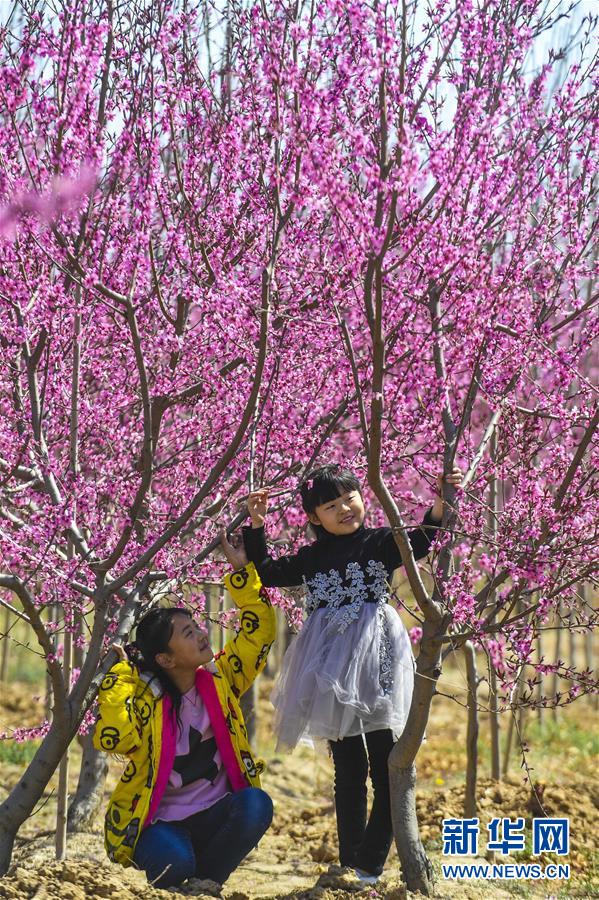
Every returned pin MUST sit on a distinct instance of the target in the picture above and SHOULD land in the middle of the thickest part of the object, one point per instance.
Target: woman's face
(188, 647)
(344, 515)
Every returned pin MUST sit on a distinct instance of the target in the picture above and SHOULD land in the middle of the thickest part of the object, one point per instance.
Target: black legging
(361, 845)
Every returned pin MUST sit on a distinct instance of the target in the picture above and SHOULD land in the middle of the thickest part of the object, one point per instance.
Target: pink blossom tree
(463, 196)
(141, 333)
(363, 228)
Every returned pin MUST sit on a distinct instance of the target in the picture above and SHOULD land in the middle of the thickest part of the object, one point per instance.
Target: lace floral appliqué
(385, 653)
(325, 589)
(343, 600)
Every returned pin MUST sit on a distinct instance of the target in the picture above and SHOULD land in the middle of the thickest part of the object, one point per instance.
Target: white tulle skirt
(342, 680)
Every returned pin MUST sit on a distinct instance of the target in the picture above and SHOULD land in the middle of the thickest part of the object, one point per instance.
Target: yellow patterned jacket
(137, 720)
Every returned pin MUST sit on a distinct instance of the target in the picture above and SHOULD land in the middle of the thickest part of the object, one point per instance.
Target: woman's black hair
(153, 633)
(324, 484)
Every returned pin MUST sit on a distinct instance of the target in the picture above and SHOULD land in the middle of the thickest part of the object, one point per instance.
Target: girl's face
(188, 647)
(344, 515)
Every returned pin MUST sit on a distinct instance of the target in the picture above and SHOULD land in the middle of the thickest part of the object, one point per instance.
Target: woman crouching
(189, 803)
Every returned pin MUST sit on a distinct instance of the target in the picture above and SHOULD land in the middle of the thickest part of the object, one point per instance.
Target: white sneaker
(365, 878)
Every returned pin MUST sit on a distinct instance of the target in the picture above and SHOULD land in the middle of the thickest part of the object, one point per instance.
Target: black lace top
(338, 569)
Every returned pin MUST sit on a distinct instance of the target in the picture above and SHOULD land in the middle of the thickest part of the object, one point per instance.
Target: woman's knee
(166, 854)
(254, 808)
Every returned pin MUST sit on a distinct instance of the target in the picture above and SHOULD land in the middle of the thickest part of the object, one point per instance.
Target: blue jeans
(209, 844)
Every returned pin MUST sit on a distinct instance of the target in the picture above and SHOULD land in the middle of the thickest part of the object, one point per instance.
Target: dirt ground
(297, 856)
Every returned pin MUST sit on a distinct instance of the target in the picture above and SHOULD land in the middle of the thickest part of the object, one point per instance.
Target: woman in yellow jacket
(189, 803)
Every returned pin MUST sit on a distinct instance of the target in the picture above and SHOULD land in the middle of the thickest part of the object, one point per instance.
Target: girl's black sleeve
(420, 539)
(286, 571)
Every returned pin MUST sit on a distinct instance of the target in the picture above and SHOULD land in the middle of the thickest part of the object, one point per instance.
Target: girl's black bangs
(329, 489)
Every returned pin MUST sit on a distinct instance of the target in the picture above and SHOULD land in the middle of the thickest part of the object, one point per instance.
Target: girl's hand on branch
(455, 478)
(120, 652)
(236, 556)
(258, 506)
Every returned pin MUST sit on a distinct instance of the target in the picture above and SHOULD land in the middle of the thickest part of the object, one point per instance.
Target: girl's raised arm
(420, 538)
(286, 571)
(244, 656)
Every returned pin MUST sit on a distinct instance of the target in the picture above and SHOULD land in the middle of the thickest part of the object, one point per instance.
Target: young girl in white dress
(348, 676)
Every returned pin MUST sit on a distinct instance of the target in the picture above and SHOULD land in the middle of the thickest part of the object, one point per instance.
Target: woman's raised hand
(258, 506)
(236, 556)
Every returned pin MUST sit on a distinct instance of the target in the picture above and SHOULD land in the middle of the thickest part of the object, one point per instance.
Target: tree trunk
(62, 797)
(68, 714)
(90, 787)
(572, 643)
(416, 867)
(558, 643)
(494, 726)
(540, 685)
(92, 773)
(23, 798)
(472, 734)
(49, 699)
(493, 713)
(588, 644)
